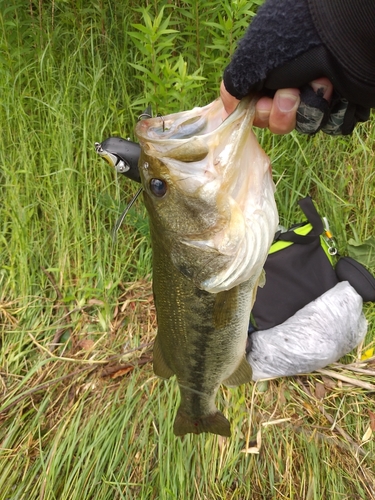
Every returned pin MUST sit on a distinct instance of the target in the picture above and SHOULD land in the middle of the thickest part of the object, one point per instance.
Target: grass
(82, 415)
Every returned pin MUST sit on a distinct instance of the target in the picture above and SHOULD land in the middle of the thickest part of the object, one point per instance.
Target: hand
(282, 51)
(278, 114)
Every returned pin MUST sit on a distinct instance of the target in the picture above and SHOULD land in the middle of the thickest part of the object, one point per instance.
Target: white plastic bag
(318, 334)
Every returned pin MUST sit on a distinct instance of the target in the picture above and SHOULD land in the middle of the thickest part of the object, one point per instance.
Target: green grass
(87, 418)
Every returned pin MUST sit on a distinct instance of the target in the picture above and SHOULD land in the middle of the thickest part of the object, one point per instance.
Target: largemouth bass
(210, 199)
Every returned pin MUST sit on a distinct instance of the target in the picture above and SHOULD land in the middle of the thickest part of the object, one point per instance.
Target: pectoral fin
(262, 279)
(161, 369)
(242, 375)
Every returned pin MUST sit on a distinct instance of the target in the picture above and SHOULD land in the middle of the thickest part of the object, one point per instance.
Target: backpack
(302, 265)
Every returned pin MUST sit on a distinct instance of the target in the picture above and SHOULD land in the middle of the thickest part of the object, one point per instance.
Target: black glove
(282, 49)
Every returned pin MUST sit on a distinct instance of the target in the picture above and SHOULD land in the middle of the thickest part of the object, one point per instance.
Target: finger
(229, 102)
(323, 84)
(262, 112)
(280, 114)
(314, 110)
(282, 119)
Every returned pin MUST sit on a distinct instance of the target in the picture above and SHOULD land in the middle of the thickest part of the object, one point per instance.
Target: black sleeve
(291, 42)
(281, 31)
(347, 29)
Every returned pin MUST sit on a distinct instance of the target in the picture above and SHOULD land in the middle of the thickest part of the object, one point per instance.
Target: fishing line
(146, 114)
(123, 215)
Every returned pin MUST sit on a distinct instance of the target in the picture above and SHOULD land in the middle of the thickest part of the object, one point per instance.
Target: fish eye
(158, 187)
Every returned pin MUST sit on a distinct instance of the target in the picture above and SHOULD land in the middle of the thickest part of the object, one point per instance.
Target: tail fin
(215, 423)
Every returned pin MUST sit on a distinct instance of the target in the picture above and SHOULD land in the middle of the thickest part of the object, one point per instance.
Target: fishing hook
(143, 116)
(162, 119)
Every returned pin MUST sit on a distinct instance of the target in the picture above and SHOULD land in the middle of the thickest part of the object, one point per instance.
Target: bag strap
(308, 208)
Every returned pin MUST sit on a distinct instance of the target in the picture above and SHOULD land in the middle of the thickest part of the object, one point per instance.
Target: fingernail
(263, 114)
(286, 101)
(263, 108)
(318, 87)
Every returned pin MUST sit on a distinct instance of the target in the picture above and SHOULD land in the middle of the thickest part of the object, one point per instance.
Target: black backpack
(302, 265)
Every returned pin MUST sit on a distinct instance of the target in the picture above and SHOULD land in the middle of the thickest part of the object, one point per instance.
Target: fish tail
(215, 423)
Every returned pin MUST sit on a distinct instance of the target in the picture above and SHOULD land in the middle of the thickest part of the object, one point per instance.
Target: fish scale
(196, 330)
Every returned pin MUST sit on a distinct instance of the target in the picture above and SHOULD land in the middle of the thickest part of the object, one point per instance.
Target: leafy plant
(164, 75)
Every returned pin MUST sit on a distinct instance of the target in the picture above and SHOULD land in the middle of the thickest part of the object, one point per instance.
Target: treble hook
(147, 113)
(162, 119)
(144, 115)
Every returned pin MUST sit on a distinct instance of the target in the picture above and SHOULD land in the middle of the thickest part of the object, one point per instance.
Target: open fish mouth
(224, 179)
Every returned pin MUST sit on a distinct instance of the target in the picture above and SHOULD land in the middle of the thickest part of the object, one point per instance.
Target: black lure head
(122, 154)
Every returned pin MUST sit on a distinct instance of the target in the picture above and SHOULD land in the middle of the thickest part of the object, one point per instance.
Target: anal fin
(161, 369)
(242, 375)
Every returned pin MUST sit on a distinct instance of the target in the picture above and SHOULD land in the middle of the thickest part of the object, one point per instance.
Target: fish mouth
(220, 164)
(198, 146)
(182, 125)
